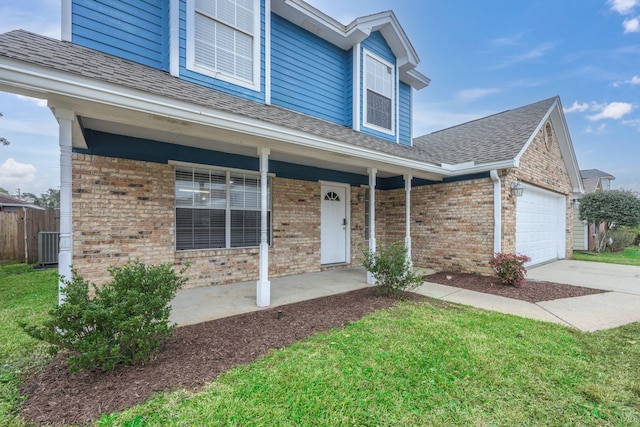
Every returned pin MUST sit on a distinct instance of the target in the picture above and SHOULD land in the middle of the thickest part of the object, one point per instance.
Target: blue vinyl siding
(405, 114)
(217, 84)
(132, 29)
(309, 74)
(376, 44)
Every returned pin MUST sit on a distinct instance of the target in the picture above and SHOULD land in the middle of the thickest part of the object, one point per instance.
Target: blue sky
(483, 57)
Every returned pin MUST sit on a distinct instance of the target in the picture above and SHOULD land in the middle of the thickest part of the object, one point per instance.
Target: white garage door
(540, 225)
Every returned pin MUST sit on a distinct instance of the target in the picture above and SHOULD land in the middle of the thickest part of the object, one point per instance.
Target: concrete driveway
(593, 312)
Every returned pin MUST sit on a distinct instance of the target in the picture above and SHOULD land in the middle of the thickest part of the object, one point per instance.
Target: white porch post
(372, 218)
(65, 120)
(407, 215)
(263, 288)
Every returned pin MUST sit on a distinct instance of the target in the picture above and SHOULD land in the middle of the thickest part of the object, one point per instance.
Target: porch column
(65, 259)
(407, 215)
(263, 289)
(372, 217)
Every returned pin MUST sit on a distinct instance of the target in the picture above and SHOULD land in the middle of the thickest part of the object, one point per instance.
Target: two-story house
(584, 235)
(260, 138)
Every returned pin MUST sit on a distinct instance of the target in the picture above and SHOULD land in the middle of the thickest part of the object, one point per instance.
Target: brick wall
(541, 165)
(121, 209)
(125, 208)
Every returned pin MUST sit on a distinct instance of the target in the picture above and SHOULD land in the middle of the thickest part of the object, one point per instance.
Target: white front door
(333, 225)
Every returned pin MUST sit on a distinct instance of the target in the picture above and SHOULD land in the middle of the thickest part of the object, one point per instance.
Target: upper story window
(379, 78)
(223, 40)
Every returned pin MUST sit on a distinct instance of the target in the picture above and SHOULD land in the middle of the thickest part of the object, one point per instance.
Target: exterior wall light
(517, 189)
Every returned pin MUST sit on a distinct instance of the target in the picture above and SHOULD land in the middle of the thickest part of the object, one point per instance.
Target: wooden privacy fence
(19, 232)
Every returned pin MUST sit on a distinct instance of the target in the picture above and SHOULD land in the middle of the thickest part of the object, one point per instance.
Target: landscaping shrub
(510, 268)
(392, 269)
(622, 238)
(126, 320)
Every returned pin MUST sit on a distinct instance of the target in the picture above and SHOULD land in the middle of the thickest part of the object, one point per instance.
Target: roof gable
(501, 138)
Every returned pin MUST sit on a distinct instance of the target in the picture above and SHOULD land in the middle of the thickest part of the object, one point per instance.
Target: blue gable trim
(130, 29)
(217, 84)
(397, 182)
(309, 74)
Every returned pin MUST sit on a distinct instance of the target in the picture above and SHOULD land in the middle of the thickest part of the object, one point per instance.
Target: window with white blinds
(218, 209)
(378, 99)
(223, 38)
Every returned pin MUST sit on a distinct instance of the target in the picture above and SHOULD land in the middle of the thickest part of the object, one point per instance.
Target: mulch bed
(532, 291)
(197, 354)
(194, 357)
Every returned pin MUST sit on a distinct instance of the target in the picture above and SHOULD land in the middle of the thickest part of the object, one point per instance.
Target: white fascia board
(534, 133)
(415, 79)
(53, 82)
(479, 168)
(566, 147)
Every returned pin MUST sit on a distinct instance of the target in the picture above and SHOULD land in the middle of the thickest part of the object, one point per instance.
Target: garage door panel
(540, 225)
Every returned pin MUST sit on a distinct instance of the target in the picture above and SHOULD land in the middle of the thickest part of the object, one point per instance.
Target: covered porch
(196, 305)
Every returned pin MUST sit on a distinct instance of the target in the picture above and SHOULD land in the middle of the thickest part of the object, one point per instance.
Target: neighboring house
(593, 180)
(264, 138)
(10, 204)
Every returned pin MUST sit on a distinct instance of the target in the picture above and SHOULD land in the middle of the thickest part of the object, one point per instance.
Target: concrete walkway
(587, 313)
(608, 310)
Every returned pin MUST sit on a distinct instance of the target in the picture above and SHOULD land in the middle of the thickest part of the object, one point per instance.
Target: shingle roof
(595, 173)
(490, 139)
(6, 200)
(80, 61)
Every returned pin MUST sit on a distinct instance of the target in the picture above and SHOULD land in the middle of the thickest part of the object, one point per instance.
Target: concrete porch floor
(191, 306)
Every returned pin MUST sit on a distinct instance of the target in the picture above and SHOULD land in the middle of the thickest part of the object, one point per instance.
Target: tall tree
(611, 208)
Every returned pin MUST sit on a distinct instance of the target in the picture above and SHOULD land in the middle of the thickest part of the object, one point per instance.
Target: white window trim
(394, 95)
(227, 172)
(216, 74)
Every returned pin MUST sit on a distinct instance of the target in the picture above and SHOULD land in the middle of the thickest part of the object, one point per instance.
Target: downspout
(497, 211)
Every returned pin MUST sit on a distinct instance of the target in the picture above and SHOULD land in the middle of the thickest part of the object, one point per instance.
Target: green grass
(413, 365)
(420, 364)
(630, 256)
(25, 295)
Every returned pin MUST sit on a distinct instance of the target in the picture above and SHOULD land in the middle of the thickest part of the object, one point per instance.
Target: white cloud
(38, 102)
(14, 174)
(623, 6)
(614, 110)
(576, 106)
(432, 117)
(509, 40)
(633, 123)
(635, 80)
(469, 95)
(537, 52)
(600, 130)
(631, 25)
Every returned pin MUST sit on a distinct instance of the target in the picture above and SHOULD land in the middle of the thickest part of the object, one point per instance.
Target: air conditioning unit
(48, 247)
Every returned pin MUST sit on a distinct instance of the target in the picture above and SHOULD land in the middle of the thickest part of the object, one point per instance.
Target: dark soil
(197, 354)
(532, 291)
(194, 357)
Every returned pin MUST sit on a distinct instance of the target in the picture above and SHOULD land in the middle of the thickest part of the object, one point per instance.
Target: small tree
(392, 269)
(611, 208)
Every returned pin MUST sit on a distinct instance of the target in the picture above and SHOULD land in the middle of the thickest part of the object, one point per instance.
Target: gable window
(223, 40)
(218, 209)
(379, 96)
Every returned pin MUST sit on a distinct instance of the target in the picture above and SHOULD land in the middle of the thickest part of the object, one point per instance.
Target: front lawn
(630, 256)
(25, 295)
(421, 363)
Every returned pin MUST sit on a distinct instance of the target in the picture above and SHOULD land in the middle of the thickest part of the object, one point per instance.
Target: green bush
(622, 238)
(392, 269)
(126, 320)
(510, 268)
